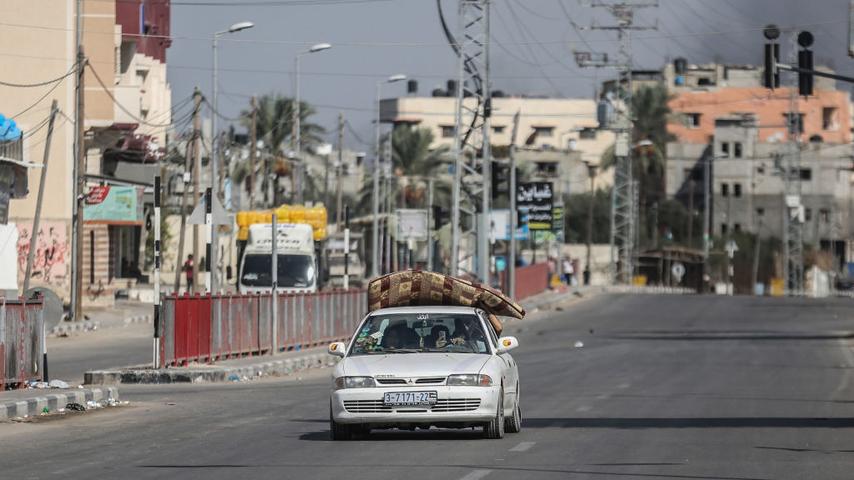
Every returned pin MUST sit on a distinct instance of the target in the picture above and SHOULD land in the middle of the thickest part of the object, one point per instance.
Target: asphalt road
(675, 387)
(70, 357)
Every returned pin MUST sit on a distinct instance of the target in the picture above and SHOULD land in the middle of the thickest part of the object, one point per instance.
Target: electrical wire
(50, 90)
(220, 115)
(39, 84)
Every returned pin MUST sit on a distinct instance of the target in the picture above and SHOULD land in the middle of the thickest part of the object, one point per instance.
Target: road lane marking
(522, 447)
(624, 385)
(583, 408)
(602, 397)
(476, 474)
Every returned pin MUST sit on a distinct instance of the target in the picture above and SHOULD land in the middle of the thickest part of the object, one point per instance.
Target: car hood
(414, 364)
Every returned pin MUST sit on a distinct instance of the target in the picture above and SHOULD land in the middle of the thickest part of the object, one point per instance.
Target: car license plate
(409, 398)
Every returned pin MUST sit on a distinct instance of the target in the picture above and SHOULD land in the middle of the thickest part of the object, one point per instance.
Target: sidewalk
(33, 402)
(223, 371)
(125, 312)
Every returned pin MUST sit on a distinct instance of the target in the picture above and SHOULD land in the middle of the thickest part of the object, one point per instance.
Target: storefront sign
(120, 205)
(535, 200)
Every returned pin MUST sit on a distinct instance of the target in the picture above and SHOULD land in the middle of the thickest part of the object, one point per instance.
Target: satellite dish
(53, 309)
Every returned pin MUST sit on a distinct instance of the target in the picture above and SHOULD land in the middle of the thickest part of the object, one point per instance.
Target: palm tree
(650, 112)
(274, 124)
(413, 162)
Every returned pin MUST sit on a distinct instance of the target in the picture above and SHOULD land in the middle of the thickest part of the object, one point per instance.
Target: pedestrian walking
(568, 271)
(188, 272)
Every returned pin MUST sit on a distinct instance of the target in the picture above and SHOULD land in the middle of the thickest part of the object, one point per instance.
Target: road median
(33, 402)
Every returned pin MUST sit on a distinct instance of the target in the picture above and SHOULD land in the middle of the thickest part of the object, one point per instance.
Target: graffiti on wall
(51, 256)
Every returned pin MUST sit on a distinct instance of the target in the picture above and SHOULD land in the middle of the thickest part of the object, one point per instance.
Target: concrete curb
(209, 373)
(33, 406)
(148, 318)
(68, 328)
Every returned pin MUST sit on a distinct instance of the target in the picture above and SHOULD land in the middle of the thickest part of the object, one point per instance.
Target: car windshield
(295, 271)
(419, 333)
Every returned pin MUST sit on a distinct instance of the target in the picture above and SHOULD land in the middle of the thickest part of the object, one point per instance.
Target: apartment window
(808, 214)
(795, 124)
(737, 150)
(587, 134)
(725, 149)
(736, 227)
(498, 129)
(828, 118)
(724, 189)
(760, 212)
(724, 229)
(806, 174)
(544, 131)
(736, 190)
(693, 120)
(547, 168)
(760, 169)
(447, 131)
(824, 215)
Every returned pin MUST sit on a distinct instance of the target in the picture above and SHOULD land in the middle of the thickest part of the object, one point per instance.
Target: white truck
(297, 260)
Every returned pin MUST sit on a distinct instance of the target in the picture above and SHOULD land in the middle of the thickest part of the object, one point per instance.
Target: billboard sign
(536, 201)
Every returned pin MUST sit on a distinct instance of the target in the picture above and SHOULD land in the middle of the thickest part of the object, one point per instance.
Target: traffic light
(771, 75)
(500, 184)
(805, 62)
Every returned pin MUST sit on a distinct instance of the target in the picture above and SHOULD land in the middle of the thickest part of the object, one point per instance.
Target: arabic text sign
(121, 204)
(536, 200)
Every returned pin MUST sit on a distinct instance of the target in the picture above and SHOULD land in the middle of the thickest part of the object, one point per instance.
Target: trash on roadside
(58, 384)
(92, 404)
(37, 384)
(45, 411)
(75, 407)
(579, 344)
(233, 378)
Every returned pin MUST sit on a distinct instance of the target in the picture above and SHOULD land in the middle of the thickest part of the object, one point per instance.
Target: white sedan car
(417, 367)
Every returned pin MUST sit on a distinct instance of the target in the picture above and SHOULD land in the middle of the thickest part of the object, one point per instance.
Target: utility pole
(188, 174)
(793, 217)
(471, 137)
(197, 173)
(511, 265)
(588, 269)
(253, 149)
(339, 201)
(79, 175)
(623, 209)
(54, 109)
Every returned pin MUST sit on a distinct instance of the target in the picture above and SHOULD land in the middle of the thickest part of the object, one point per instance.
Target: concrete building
(747, 189)
(43, 32)
(548, 125)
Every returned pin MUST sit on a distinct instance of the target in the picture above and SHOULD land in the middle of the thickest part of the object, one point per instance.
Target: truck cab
(297, 261)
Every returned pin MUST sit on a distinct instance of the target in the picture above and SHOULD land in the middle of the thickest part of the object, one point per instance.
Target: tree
(576, 216)
(413, 162)
(649, 142)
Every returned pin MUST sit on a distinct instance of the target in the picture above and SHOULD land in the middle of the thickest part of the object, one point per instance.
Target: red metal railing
(21, 341)
(531, 280)
(208, 328)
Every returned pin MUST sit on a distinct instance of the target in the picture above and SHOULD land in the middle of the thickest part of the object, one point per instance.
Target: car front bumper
(456, 406)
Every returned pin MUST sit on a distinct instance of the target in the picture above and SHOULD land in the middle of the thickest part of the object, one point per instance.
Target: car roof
(425, 309)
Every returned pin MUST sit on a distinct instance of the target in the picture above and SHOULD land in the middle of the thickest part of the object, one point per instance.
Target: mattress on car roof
(417, 287)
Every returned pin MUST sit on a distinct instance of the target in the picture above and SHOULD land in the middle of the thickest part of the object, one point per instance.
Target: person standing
(568, 271)
(188, 272)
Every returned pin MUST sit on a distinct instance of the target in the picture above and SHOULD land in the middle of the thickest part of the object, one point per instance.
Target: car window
(420, 332)
(491, 330)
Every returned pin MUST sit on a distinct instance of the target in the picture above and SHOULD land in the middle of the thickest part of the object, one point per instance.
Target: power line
(50, 90)
(122, 107)
(38, 84)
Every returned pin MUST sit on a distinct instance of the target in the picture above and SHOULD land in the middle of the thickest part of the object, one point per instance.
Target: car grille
(430, 380)
(457, 405)
(442, 405)
(391, 381)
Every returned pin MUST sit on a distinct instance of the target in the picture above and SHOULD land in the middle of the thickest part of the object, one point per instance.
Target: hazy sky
(532, 47)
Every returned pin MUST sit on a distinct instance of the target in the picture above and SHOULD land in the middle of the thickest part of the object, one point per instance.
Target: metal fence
(215, 327)
(21, 341)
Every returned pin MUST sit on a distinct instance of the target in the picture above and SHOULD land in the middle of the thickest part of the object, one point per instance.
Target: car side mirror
(505, 344)
(337, 349)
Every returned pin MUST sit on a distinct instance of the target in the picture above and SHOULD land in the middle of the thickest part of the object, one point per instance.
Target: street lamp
(296, 112)
(237, 27)
(591, 173)
(376, 191)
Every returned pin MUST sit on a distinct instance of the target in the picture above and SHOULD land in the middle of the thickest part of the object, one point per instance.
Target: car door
(509, 371)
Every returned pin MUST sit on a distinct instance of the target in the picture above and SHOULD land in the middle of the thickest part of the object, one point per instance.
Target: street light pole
(375, 194)
(591, 173)
(214, 144)
(297, 113)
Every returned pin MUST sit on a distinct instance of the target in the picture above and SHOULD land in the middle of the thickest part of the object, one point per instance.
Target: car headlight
(354, 382)
(470, 380)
